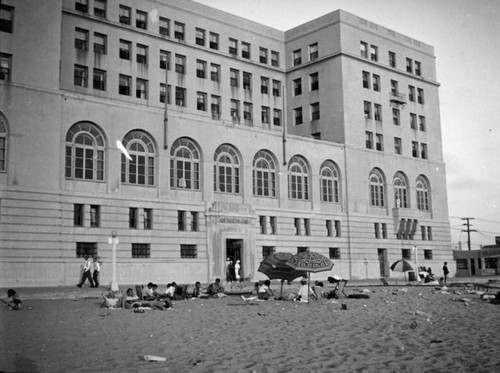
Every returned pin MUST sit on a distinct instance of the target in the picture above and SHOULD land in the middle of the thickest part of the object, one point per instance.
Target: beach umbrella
(310, 262)
(274, 266)
(404, 265)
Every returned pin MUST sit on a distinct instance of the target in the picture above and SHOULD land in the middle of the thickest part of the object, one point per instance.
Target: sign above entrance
(231, 220)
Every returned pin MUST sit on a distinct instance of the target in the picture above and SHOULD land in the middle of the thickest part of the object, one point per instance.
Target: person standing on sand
(445, 272)
(97, 269)
(86, 272)
(237, 267)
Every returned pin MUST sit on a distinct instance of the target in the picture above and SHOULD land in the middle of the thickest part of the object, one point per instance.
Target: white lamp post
(114, 240)
(415, 250)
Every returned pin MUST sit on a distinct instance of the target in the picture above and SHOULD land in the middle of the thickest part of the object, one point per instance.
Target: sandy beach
(398, 329)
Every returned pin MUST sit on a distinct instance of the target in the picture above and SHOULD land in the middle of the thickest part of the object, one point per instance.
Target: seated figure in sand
(305, 291)
(264, 292)
(13, 301)
(215, 289)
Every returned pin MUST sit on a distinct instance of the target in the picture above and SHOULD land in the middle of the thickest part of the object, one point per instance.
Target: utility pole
(468, 230)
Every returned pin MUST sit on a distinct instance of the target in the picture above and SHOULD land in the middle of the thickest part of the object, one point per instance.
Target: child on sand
(13, 300)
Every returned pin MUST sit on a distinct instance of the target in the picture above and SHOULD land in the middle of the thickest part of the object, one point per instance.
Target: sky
(464, 34)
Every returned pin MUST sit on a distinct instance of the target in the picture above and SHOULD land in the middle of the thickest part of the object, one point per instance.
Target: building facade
(195, 135)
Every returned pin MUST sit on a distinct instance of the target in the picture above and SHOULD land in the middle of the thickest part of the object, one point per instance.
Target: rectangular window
(99, 80)
(247, 81)
(428, 254)
(268, 250)
(276, 88)
(124, 85)
(376, 83)
(329, 228)
(214, 72)
(363, 49)
(148, 218)
(233, 47)
(429, 235)
(406, 254)
(414, 149)
(215, 107)
(180, 96)
(297, 114)
(81, 39)
(245, 50)
(315, 111)
(277, 117)
(6, 18)
(100, 8)
(423, 232)
(423, 153)
(201, 69)
(384, 230)
(180, 64)
(82, 6)
(84, 249)
(164, 60)
(297, 57)
(164, 26)
(396, 120)
(275, 59)
(264, 85)
(141, 89)
(179, 31)
(409, 65)
(376, 228)
(142, 54)
(374, 53)
(413, 121)
(181, 220)
(81, 76)
(379, 141)
(265, 115)
(124, 15)
(247, 112)
(95, 216)
(274, 224)
(235, 111)
(420, 96)
(78, 215)
(314, 80)
(302, 249)
(214, 41)
(263, 55)
(367, 108)
(141, 20)
(234, 77)
(421, 123)
(133, 217)
(5, 66)
(313, 52)
(100, 42)
(195, 221)
(125, 48)
(366, 79)
(189, 252)
(201, 101)
(334, 252)
(200, 36)
(378, 112)
(392, 59)
(297, 86)
(141, 250)
(263, 224)
(296, 222)
(307, 227)
(418, 69)
(398, 149)
(394, 88)
(411, 93)
(164, 92)
(369, 140)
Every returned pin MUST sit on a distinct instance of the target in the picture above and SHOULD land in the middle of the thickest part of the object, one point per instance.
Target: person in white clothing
(237, 267)
(86, 272)
(97, 269)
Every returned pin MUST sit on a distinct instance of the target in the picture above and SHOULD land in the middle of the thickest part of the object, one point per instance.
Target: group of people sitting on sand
(427, 276)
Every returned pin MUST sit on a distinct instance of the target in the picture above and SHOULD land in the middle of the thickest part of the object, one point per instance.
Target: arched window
(298, 179)
(422, 186)
(264, 174)
(3, 144)
(377, 189)
(226, 170)
(400, 191)
(184, 165)
(329, 182)
(85, 152)
(140, 170)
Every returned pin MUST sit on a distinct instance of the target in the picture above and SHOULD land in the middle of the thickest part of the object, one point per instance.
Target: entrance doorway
(234, 252)
(383, 262)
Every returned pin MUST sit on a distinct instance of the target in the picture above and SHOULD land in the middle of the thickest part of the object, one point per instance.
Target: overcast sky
(465, 35)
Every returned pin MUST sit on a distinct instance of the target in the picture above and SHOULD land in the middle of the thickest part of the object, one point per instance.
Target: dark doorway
(383, 262)
(473, 267)
(234, 252)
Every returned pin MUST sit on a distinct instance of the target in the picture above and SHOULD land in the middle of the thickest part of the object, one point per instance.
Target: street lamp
(415, 250)
(114, 240)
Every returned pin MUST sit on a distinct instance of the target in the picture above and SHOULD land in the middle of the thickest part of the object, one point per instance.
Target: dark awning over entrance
(490, 251)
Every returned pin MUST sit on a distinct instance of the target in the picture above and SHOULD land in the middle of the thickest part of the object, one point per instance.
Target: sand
(384, 333)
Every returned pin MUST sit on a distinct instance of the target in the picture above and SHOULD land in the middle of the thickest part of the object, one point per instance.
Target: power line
(468, 230)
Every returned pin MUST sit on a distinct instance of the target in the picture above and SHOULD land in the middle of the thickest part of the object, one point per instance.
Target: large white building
(326, 137)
